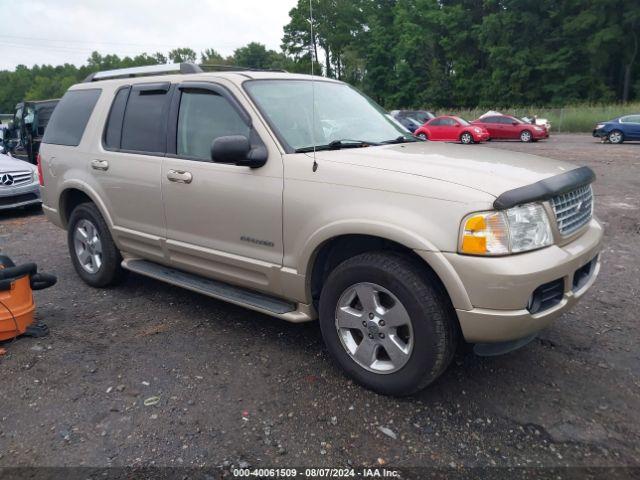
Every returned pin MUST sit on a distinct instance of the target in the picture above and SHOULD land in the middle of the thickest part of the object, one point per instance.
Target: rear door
(223, 221)
(127, 168)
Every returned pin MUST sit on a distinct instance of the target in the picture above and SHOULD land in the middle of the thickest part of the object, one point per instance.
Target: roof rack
(237, 68)
(140, 71)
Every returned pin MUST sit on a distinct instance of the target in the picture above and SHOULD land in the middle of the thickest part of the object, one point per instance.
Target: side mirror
(236, 149)
(456, 124)
(514, 123)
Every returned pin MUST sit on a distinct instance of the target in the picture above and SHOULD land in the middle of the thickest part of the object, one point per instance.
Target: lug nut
(371, 336)
(364, 324)
(371, 316)
(381, 323)
(382, 335)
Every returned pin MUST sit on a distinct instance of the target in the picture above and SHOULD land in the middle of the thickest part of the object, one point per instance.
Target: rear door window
(70, 117)
(113, 130)
(145, 119)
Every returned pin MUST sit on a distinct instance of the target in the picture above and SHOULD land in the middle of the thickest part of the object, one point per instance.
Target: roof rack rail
(140, 71)
(237, 68)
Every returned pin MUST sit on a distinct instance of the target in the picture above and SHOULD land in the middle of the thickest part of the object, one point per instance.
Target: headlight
(477, 130)
(599, 126)
(539, 129)
(518, 229)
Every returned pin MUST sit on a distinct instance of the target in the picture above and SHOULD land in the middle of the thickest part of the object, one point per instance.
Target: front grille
(4, 201)
(546, 296)
(573, 209)
(14, 179)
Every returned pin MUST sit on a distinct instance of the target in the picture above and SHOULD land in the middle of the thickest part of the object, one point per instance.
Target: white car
(19, 183)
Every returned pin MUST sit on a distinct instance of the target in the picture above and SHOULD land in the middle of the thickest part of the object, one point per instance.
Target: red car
(506, 127)
(452, 129)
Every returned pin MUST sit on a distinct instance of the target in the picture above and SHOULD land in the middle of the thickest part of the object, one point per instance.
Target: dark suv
(29, 122)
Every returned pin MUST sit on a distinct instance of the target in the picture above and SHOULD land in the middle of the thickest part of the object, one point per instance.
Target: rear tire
(422, 136)
(93, 253)
(526, 136)
(616, 137)
(387, 322)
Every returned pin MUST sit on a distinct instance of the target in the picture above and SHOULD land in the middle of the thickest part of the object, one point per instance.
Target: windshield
(341, 113)
(462, 121)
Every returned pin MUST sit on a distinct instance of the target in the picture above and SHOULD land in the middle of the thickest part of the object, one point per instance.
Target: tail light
(40, 177)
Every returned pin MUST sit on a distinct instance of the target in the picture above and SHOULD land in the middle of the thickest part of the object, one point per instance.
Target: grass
(578, 118)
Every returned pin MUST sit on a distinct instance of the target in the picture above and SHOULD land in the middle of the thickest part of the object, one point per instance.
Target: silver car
(19, 183)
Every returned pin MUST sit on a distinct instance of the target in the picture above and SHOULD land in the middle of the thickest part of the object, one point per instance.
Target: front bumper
(500, 288)
(22, 196)
(599, 133)
(481, 137)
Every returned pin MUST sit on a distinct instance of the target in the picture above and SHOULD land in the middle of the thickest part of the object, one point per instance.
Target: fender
(338, 228)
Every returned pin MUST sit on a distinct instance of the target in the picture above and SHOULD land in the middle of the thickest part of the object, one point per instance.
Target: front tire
(616, 137)
(526, 136)
(466, 138)
(387, 323)
(422, 136)
(93, 253)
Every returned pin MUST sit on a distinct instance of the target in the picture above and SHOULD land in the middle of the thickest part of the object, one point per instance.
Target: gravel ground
(228, 386)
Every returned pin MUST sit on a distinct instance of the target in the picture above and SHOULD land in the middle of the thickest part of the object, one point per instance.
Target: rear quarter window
(70, 117)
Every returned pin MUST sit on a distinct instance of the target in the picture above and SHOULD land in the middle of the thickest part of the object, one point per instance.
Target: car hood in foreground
(489, 170)
(10, 164)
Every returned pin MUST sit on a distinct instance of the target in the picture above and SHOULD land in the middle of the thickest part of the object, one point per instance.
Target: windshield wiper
(401, 139)
(337, 145)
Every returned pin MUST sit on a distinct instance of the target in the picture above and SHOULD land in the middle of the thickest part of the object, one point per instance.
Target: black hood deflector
(545, 189)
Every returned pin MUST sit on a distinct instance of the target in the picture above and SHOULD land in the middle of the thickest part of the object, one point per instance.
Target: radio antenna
(313, 86)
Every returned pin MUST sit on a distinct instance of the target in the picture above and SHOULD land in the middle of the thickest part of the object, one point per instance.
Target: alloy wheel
(374, 328)
(88, 246)
(466, 138)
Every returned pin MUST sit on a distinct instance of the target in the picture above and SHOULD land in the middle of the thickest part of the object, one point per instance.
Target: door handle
(179, 176)
(99, 164)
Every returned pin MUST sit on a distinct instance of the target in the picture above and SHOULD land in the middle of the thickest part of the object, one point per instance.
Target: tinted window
(116, 115)
(437, 123)
(205, 116)
(70, 117)
(631, 119)
(489, 120)
(144, 124)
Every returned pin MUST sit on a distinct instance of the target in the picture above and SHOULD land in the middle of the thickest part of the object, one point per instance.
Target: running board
(212, 288)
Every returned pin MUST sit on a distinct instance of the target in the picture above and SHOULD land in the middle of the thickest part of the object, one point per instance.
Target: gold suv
(300, 198)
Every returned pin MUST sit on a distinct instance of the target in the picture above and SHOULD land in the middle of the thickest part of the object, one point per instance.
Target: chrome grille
(573, 209)
(15, 178)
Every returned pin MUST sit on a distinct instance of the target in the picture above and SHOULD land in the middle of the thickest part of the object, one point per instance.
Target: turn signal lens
(485, 234)
(518, 229)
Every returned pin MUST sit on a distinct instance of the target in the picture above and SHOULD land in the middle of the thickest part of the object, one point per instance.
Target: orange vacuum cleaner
(17, 284)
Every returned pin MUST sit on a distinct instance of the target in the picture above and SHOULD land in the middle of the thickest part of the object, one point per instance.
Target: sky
(67, 31)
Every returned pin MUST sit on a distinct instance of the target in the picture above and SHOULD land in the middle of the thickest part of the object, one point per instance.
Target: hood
(10, 164)
(485, 169)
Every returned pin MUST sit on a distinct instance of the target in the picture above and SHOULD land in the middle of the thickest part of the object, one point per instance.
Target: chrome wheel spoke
(368, 297)
(347, 317)
(396, 316)
(396, 349)
(366, 352)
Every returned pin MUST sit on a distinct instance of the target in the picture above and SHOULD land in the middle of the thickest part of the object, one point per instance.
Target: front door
(223, 221)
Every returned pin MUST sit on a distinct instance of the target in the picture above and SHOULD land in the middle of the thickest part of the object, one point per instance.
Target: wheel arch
(334, 250)
(75, 194)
